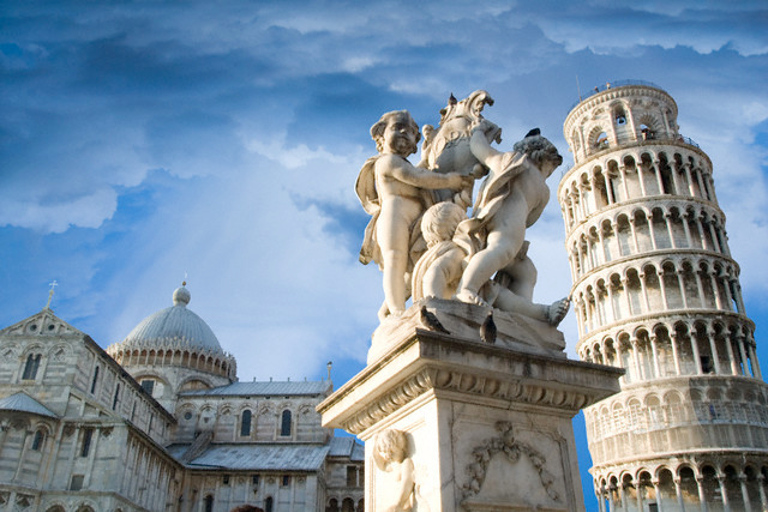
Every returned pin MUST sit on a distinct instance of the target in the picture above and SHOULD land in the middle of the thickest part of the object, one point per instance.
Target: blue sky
(144, 141)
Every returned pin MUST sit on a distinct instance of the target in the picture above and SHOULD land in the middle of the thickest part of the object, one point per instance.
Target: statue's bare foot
(557, 311)
(470, 298)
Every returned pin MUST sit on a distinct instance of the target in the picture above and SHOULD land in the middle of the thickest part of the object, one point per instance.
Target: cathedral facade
(159, 422)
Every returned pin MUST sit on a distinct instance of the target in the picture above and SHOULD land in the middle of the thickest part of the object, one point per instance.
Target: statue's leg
(502, 246)
(522, 273)
(394, 280)
(513, 303)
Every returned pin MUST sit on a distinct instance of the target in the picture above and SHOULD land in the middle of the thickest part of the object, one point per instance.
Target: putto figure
(419, 233)
(390, 453)
(511, 199)
(391, 190)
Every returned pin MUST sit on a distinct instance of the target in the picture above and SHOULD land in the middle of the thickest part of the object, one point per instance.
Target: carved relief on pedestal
(399, 480)
(506, 452)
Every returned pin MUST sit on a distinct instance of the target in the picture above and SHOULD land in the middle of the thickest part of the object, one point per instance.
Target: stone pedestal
(486, 427)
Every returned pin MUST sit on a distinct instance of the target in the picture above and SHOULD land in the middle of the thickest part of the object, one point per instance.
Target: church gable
(43, 324)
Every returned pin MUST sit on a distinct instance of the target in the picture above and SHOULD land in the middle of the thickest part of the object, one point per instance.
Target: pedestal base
(484, 428)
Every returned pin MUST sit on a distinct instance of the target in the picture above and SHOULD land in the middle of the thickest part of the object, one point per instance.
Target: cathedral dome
(175, 337)
(175, 325)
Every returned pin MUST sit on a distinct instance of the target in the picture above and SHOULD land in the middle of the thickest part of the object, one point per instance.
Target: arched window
(245, 423)
(30, 368)
(285, 426)
(95, 380)
(37, 441)
(268, 504)
(208, 503)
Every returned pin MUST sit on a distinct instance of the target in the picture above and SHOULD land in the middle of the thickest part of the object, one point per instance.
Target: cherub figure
(390, 453)
(391, 191)
(438, 271)
(510, 199)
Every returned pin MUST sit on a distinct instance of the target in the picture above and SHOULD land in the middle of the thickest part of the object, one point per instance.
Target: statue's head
(392, 445)
(396, 132)
(540, 151)
(440, 221)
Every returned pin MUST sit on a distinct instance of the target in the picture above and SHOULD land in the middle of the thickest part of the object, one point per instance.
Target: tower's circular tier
(656, 292)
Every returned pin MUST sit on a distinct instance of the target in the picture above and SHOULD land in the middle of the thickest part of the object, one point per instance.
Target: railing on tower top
(611, 85)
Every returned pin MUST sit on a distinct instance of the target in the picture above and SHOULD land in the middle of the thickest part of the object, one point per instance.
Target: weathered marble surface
(488, 427)
(463, 321)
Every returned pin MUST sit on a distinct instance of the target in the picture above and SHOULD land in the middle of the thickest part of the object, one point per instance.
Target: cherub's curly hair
(538, 149)
(440, 220)
(377, 130)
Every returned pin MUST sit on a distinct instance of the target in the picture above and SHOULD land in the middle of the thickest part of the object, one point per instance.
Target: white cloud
(88, 211)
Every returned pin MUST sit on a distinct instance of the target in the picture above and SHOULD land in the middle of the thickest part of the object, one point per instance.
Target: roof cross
(53, 285)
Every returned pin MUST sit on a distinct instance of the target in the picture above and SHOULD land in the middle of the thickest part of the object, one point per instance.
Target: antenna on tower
(578, 87)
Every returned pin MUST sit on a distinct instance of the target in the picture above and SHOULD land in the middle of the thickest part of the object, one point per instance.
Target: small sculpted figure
(510, 199)
(390, 453)
(391, 190)
(438, 271)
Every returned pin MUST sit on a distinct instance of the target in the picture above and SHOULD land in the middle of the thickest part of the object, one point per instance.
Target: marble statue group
(420, 233)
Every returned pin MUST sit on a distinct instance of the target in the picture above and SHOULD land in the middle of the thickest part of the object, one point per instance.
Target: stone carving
(419, 233)
(447, 149)
(512, 449)
(391, 189)
(390, 453)
(513, 390)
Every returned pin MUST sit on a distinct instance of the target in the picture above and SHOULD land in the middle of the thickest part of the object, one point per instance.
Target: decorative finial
(53, 285)
(181, 296)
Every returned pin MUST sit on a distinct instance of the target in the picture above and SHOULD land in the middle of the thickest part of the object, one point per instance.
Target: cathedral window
(37, 441)
(285, 426)
(208, 503)
(95, 380)
(225, 480)
(245, 423)
(76, 483)
(31, 367)
(116, 397)
(87, 436)
(351, 476)
(255, 479)
(148, 385)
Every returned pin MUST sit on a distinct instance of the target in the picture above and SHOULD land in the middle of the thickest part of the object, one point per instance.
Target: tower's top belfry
(621, 113)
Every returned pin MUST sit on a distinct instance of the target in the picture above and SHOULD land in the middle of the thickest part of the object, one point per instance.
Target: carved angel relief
(392, 457)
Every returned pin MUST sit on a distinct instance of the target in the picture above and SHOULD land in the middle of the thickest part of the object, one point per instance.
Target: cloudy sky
(142, 142)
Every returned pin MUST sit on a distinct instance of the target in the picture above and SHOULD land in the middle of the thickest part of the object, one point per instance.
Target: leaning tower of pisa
(656, 292)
